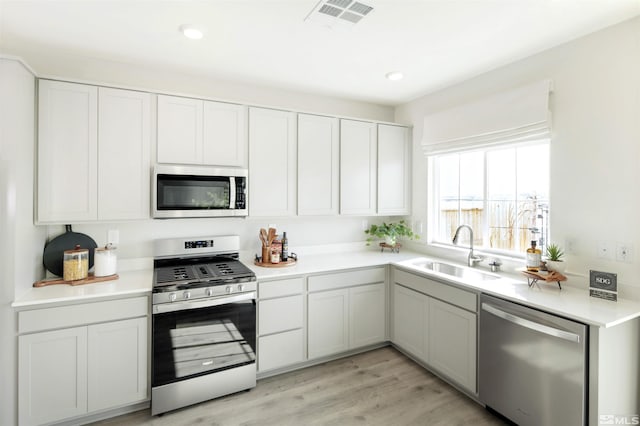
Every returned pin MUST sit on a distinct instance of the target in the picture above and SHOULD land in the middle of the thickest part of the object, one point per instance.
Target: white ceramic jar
(105, 261)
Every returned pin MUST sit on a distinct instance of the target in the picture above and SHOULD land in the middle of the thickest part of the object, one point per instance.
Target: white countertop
(320, 263)
(129, 283)
(573, 301)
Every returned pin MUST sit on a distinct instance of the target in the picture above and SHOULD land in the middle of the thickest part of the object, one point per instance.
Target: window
(502, 193)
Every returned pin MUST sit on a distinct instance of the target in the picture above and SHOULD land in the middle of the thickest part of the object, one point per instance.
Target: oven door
(197, 338)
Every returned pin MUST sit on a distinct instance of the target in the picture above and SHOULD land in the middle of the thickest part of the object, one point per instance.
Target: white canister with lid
(105, 261)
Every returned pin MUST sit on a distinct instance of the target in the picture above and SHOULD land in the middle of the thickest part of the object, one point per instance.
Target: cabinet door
(124, 156)
(367, 315)
(224, 134)
(67, 145)
(281, 314)
(394, 167)
(179, 130)
(327, 323)
(52, 375)
(410, 311)
(452, 342)
(318, 159)
(272, 162)
(117, 363)
(280, 350)
(358, 161)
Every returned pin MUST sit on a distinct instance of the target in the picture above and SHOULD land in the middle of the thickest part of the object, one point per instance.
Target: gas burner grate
(224, 269)
(174, 273)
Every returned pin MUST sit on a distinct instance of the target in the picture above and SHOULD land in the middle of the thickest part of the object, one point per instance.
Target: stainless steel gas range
(204, 322)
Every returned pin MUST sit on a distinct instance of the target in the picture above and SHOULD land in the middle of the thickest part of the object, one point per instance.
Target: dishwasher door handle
(541, 328)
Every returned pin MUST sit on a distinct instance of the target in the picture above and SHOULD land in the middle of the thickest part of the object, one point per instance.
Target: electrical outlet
(604, 250)
(113, 237)
(364, 224)
(624, 252)
(570, 245)
(417, 227)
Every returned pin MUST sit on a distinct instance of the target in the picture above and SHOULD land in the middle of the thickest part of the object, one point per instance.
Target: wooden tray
(89, 280)
(546, 276)
(289, 262)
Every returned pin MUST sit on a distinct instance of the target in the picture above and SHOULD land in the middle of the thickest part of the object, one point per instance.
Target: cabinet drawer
(450, 294)
(74, 315)
(280, 350)
(270, 289)
(277, 315)
(346, 279)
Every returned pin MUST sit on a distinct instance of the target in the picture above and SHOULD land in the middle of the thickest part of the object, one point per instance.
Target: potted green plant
(390, 232)
(554, 260)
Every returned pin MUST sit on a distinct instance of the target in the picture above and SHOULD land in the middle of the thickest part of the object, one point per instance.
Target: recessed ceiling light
(190, 31)
(394, 75)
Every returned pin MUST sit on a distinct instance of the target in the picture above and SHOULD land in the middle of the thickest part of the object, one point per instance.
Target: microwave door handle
(232, 192)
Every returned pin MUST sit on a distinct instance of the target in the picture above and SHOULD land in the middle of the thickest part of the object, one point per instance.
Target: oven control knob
(186, 295)
(240, 287)
(229, 289)
(172, 297)
(209, 292)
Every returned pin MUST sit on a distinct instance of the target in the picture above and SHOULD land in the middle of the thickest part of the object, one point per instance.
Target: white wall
(167, 80)
(21, 242)
(595, 152)
(136, 238)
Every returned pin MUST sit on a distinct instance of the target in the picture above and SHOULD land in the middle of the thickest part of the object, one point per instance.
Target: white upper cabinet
(394, 170)
(194, 131)
(123, 180)
(67, 149)
(272, 162)
(318, 162)
(225, 134)
(93, 153)
(358, 157)
(179, 130)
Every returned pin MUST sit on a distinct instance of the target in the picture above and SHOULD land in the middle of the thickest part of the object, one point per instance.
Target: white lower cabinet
(346, 311)
(280, 324)
(52, 375)
(70, 372)
(452, 342)
(117, 363)
(437, 323)
(328, 323)
(410, 311)
(367, 319)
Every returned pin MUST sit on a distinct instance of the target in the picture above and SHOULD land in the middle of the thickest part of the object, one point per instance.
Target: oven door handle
(195, 304)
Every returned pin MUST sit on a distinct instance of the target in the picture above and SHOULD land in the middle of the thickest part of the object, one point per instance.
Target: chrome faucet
(472, 259)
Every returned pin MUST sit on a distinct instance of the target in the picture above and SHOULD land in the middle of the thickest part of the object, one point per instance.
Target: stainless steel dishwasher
(532, 365)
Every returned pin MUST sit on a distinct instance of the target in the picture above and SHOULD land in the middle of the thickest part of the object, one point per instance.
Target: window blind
(518, 115)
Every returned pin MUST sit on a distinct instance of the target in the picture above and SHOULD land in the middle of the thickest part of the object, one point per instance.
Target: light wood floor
(381, 387)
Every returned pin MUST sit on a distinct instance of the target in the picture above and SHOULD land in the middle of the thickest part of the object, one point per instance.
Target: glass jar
(75, 264)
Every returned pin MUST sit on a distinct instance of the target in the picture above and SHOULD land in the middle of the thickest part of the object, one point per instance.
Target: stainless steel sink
(456, 271)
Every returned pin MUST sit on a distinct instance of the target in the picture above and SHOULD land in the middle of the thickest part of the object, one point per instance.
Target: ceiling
(434, 43)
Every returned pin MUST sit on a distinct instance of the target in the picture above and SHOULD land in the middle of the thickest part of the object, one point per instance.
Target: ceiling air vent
(337, 12)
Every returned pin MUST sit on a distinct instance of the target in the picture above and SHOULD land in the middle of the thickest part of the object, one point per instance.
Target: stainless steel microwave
(198, 191)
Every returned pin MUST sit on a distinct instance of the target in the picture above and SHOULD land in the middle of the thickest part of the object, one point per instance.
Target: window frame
(433, 199)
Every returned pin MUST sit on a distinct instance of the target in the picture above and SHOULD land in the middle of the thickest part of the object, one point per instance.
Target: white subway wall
(595, 150)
